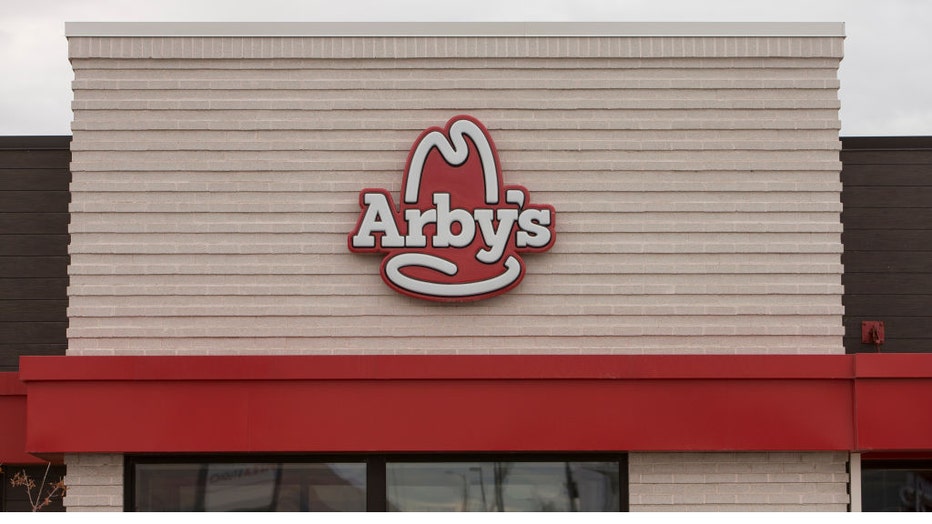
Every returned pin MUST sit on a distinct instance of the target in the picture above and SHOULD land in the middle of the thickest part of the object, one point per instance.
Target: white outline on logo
(505, 230)
(395, 263)
(455, 152)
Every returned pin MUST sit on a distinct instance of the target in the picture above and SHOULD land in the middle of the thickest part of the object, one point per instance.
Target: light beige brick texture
(804, 481)
(695, 182)
(95, 482)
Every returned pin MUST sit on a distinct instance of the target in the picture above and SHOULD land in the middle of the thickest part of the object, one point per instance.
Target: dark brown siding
(887, 218)
(34, 178)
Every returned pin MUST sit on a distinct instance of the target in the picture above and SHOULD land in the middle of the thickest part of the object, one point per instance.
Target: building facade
(645, 309)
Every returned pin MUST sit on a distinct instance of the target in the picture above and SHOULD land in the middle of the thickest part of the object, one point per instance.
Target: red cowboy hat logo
(459, 231)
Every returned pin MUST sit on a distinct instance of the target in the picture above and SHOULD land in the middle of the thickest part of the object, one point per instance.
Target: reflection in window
(502, 486)
(896, 489)
(260, 486)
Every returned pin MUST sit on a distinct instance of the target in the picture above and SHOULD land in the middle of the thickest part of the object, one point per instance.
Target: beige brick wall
(95, 482)
(738, 481)
(695, 180)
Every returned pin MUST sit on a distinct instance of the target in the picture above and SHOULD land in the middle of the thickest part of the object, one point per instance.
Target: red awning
(448, 403)
(13, 417)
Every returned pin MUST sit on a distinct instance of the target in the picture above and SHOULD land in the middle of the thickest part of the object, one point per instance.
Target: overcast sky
(886, 75)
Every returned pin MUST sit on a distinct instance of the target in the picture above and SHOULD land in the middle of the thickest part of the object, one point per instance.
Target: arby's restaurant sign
(459, 232)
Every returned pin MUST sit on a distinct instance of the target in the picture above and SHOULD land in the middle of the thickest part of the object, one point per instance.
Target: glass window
(377, 482)
(896, 487)
(502, 486)
(250, 486)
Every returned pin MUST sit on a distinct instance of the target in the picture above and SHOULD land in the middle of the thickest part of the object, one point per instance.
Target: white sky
(885, 76)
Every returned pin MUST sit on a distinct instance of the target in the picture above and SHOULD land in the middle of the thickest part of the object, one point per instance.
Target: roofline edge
(454, 29)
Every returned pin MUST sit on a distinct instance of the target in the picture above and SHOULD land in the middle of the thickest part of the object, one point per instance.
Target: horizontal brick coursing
(738, 481)
(695, 182)
(95, 482)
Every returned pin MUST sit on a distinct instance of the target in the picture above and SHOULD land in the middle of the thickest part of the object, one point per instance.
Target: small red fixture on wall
(872, 333)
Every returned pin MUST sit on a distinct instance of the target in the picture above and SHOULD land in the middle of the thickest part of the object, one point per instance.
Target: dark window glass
(258, 486)
(896, 487)
(502, 486)
(17, 498)
(377, 482)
